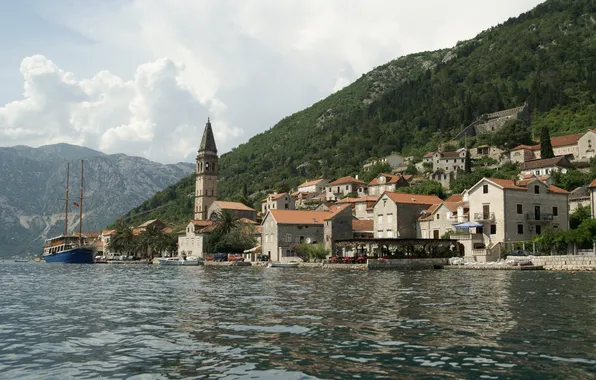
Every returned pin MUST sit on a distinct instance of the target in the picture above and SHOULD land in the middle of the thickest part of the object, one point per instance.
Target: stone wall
(405, 264)
(567, 262)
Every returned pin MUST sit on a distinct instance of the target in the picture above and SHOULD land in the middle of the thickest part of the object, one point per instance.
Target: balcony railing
(473, 237)
(534, 217)
(484, 217)
(455, 220)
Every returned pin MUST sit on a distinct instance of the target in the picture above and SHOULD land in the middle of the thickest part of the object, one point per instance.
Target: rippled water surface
(116, 321)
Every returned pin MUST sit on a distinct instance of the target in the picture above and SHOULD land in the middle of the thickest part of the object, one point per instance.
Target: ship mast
(66, 203)
(81, 209)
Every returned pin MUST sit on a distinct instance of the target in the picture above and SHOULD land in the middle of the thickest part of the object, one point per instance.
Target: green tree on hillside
(512, 134)
(468, 162)
(374, 171)
(546, 147)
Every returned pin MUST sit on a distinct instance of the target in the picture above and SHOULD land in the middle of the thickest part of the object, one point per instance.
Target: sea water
(62, 321)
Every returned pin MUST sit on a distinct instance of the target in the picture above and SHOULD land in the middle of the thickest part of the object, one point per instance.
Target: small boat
(189, 261)
(21, 261)
(69, 249)
(282, 265)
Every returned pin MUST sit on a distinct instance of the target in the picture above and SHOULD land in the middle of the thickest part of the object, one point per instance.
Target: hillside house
(275, 201)
(316, 186)
(576, 147)
(547, 166)
(343, 186)
(386, 182)
(394, 161)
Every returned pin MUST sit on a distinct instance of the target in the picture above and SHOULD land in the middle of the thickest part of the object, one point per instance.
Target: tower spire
(208, 141)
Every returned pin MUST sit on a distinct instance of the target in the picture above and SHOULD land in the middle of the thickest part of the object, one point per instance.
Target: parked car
(519, 252)
(235, 257)
(220, 257)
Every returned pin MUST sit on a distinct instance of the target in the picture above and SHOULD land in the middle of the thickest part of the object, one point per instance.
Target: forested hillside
(546, 57)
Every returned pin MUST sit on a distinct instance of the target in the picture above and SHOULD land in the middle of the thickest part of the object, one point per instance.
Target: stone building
(316, 186)
(547, 166)
(284, 229)
(386, 182)
(394, 161)
(191, 241)
(275, 201)
(579, 197)
(206, 174)
(396, 214)
(441, 218)
(505, 211)
(492, 122)
(575, 147)
(344, 186)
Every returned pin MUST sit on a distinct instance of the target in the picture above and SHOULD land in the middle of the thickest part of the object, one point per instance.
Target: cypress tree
(468, 162)
(546, 147)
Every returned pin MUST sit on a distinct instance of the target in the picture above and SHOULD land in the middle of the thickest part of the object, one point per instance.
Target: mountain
(545, 57)
(33, 184)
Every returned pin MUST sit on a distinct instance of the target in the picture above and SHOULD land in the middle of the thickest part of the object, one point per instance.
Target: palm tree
(225, 221)
(123, 241)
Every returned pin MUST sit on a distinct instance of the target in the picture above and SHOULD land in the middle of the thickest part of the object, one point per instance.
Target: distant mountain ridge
(32, 184)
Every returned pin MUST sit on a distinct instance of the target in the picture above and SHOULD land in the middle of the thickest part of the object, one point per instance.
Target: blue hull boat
(79, 255)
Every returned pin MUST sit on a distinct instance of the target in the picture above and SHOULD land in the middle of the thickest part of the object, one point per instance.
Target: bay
(151, 322)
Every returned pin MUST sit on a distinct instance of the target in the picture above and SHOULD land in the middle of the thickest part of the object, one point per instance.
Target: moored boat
(282, 265)
(189, 261)
(69, 249)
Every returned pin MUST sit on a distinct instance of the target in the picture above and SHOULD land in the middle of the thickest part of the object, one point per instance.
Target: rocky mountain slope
(545, 57)
(32, 184)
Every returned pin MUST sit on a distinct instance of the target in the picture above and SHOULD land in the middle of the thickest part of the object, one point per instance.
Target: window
(347, 187)
(493, 229)
(380, 233)
(289, 238)
(485, 189)
(520, 229)
(389, 233)
(520, 209)
(555, 211)
(389, 219)
(536, 189)
(380, 220)
(286, 206)
(438, 216)
(538, 229)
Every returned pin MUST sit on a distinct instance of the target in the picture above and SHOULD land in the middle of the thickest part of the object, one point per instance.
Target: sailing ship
(71, 249)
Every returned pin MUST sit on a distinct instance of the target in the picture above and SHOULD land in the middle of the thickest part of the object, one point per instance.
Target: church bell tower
(206, 170)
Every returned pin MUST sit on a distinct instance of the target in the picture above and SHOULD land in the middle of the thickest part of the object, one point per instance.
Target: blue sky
(141, 76)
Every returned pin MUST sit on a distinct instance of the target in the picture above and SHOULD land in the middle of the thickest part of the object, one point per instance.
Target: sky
(141, 77)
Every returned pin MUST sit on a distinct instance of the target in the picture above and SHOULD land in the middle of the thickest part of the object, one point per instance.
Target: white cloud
(246, 63)
(156, 114)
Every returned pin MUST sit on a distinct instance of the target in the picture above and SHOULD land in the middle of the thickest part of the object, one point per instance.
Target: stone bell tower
(206, 170)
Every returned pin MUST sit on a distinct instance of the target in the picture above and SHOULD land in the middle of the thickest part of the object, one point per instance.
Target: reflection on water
(89, 321)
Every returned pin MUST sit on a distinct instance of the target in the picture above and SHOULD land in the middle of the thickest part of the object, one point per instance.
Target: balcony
(484, 217)
(464, 236)
(454, 219)
(539, 217)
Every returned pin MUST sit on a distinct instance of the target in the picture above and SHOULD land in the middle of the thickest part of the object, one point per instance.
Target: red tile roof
(429, 155)
(593, 183)
(556, 142)
(363, 225)
(527, 147)
(450, 154)
(560, 161)
(345, 180)
(390, 178)
(413, 198)
(347, 200)
(299, 216)
(522, 186)
(233, 206)
(313, 182)
(455, 198)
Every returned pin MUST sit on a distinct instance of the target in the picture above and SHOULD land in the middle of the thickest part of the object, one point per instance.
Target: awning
(468, 225)
(255, 249)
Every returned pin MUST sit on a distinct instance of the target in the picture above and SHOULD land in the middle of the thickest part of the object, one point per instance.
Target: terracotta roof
(147, 223)
(247, 221)
(108, 232)
(363, 225)
(506, 184)
(455, 198)
(233, 206)
(202, 223)
(348, 179)
(259, 229)
(413, 198)
(593, 183)
(527, 147)
(310, 183)
(558, 141)
(336, 209)
(547, 162)
(299, 216)
(276, 196)
(347, 200)
(167, 230)
(367, 198)
(408, 177)
(429, 155)
(390, 178)
(556, 189)
(429, 211)
(451, 206)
